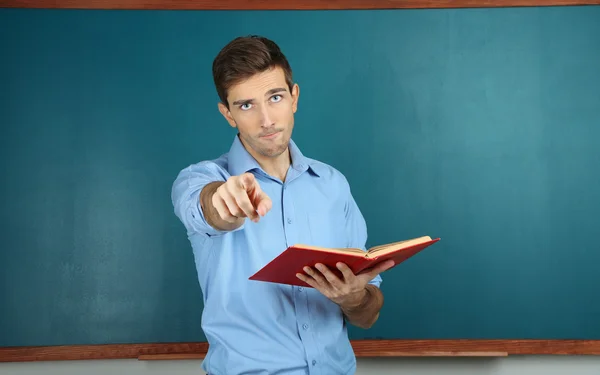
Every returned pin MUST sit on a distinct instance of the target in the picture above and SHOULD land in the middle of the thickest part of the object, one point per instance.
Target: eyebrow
(270, 92)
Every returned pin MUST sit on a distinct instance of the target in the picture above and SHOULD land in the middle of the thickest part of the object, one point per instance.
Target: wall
(527, 365)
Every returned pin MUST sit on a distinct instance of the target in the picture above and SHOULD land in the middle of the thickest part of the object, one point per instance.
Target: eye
(276, 98)
(245, 106)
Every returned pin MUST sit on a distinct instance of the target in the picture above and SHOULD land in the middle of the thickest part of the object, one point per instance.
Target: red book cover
(284, 267)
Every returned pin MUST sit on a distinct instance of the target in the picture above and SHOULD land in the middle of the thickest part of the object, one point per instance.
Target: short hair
(244, 57)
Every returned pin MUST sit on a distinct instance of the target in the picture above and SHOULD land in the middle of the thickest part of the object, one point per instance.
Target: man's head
(257, 95)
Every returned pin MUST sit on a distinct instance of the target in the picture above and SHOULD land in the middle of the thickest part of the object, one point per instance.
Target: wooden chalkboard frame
(362, 348)
(283, 5)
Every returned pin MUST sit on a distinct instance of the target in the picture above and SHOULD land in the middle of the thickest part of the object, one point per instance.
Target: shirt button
(300, 289)
(305, 326)
(289, 221)
(314, 362)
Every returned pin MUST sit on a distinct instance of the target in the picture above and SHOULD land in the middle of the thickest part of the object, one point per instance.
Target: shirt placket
(303, 322)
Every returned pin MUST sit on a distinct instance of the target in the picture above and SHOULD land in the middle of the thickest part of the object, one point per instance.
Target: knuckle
(230, 185)
(226, 193)
(224, 215)
(240, 194)
(243, 200)
(236, 212)
(219, 191)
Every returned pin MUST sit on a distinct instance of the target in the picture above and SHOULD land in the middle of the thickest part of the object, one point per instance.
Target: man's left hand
(349, 291)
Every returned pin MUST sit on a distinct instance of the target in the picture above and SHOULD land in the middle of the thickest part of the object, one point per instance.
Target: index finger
(260, 200)
(248, 182)
(346, 271)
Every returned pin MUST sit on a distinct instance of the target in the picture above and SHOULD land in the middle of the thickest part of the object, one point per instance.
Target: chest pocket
(327, 229)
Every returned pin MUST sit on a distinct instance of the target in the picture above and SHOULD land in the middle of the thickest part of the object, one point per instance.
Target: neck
(276, 166)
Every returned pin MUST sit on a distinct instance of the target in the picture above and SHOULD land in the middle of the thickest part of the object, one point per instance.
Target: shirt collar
(240, 161)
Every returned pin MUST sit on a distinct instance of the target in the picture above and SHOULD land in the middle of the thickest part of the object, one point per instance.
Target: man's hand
(360, 302)
(232, 201)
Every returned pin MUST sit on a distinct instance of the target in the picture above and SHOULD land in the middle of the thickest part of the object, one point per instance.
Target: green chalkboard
(479, 126)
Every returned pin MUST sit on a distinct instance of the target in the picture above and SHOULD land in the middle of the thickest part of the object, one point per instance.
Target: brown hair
(244, 57)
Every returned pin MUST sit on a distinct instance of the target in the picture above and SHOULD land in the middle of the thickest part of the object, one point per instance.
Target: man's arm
(202, 194)
(211, 214)
(366, 312)
(359, 300)
(226, 204)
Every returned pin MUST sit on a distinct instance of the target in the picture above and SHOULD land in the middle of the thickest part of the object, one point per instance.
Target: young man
(245, 207)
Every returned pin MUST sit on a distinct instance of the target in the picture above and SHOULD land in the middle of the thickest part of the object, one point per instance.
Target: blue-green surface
(480, 127)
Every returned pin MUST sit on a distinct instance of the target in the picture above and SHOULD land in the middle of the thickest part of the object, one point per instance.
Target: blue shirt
(255, 327)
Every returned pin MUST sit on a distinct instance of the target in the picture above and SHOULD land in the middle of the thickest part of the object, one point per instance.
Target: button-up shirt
(259, 327)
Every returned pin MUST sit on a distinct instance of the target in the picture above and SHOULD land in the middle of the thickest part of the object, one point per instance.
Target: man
(245, 207)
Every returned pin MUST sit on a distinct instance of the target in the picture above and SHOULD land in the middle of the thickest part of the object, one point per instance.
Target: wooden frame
(362, 348)
(283, 5)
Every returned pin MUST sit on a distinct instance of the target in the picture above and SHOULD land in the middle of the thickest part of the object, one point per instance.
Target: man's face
(262, 109)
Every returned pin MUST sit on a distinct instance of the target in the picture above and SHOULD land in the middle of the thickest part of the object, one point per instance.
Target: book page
(381, 249)
(345, 250)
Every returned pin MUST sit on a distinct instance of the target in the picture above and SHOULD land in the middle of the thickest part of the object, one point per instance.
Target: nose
(267, 118)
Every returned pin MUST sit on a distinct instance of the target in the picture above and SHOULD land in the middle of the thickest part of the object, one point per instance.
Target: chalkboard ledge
(362, 348)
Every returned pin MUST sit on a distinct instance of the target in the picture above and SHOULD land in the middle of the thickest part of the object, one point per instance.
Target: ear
(227, 114)
(295, 96)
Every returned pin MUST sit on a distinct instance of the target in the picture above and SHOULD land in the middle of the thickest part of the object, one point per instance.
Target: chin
(272, 152)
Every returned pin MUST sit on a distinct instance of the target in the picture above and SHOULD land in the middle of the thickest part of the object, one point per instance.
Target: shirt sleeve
(356, 229)
(185, 196)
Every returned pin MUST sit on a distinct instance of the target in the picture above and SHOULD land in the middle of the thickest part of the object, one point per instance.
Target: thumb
(263, 204)
(380, 267)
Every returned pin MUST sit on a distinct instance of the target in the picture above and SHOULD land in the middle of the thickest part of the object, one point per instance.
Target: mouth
(270, 135)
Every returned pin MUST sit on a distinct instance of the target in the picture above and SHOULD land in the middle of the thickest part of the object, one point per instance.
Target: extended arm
(208, 200)
(211, 214)
(227, 204)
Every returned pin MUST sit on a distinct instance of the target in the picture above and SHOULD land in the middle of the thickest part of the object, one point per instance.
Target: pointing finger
(260, 199)
(248, 182)
(264, 204)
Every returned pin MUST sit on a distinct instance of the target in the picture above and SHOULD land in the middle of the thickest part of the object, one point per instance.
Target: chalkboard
(479, 126)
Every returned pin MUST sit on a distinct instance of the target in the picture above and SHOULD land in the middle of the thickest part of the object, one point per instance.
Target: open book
(284, 267)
